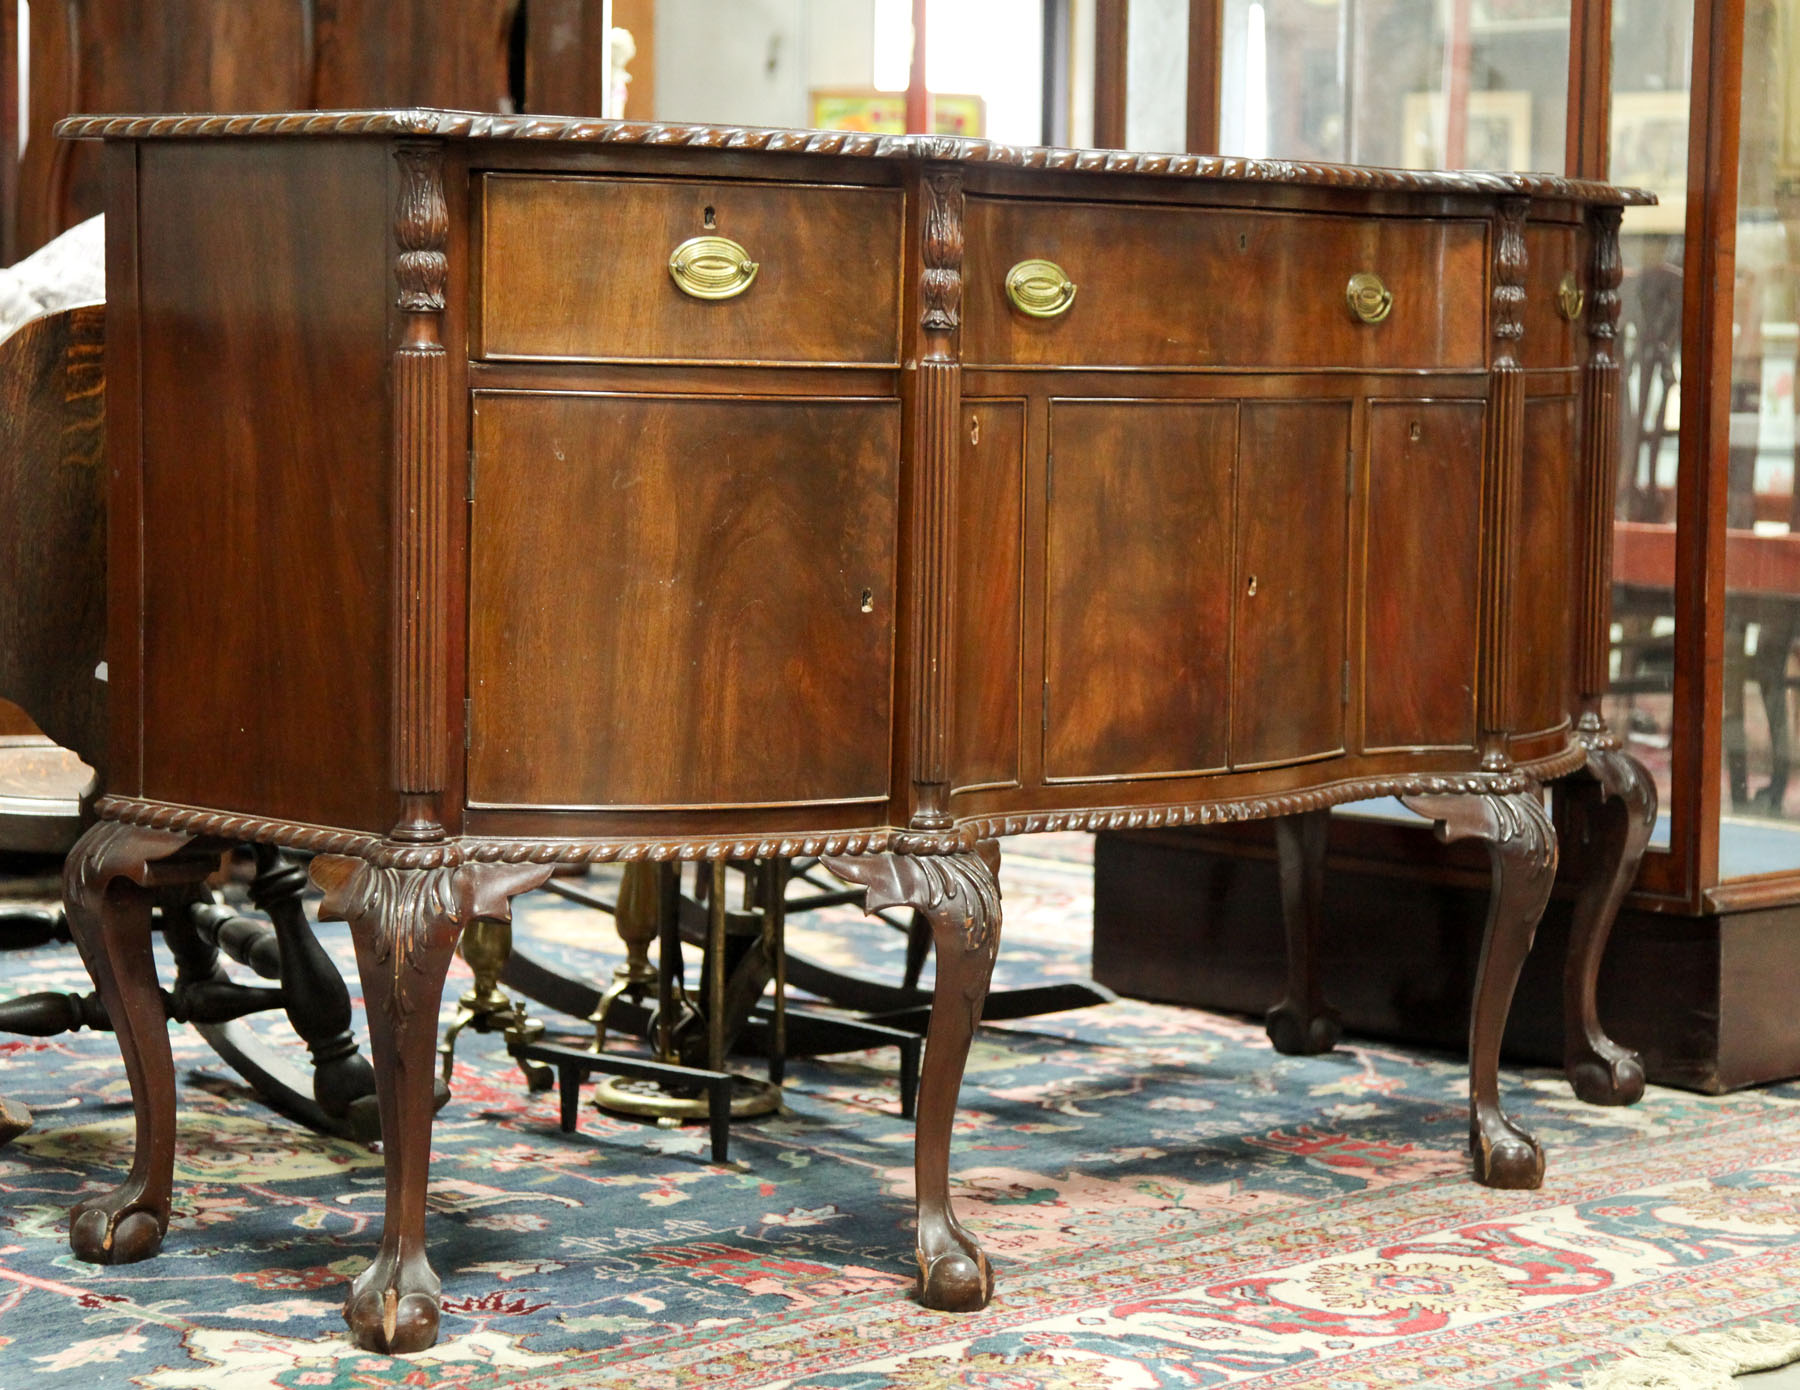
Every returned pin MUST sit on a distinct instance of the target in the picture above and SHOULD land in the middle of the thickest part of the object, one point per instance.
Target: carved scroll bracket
(407, 911)
(421, 461)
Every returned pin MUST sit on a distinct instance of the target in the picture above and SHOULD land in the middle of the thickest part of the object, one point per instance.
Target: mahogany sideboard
(496, 492)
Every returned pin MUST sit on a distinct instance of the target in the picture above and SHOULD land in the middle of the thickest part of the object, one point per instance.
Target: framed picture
(1650, 150)
(1499, 131)
(1786, 79)
(1489, 16)
(884, 113)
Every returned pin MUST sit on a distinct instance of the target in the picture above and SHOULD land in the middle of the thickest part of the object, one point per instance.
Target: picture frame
(1499, 131)
(884, 113)
(1649, 149)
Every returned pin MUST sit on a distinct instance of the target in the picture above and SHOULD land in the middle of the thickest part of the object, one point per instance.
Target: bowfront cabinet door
(1422, 573)
(681, 601)
(1543, 635)
(1138, 589)
(1289, 682)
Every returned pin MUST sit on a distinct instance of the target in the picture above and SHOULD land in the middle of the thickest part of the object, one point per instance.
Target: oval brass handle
(711, 267)
(1569, 298)
(1040, 289)
(1369, 299)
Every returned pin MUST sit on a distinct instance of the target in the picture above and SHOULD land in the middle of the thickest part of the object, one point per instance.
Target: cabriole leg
(405, 924)
(1615, 804)
(1302, 1024)
(958, 895)
(1522, 850)
(107, 893)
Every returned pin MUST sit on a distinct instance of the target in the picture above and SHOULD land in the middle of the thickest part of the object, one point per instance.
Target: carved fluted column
(1501, 483)
(421, 463)
(937, 401)
(1600, 465)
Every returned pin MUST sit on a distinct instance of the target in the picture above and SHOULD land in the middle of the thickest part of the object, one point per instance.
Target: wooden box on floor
(1705, 1000)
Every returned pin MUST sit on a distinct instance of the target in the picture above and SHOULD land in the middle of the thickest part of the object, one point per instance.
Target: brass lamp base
(649, 1098)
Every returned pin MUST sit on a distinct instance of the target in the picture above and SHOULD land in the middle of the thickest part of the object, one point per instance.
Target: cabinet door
(681, 602)
(990, 611)
(1289, 681)
(1422, 573)
(1138, 590)
(1544, 577)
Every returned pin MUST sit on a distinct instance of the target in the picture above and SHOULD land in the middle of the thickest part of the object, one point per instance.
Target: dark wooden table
(491, 493)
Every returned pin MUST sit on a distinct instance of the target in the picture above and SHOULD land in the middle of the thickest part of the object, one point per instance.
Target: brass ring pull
(1569, 298)
(1369, 299)
(1040, 289)
(711, 267)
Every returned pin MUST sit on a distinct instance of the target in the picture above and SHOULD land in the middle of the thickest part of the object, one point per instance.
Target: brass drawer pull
(1040, 289)
(711, 267)
(1569, 298)
(1369, 299)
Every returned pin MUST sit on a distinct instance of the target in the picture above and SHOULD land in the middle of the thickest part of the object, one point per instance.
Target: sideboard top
(428, 123)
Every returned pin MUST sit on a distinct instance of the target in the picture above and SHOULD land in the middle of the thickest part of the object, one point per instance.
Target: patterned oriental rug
(1168, 1202)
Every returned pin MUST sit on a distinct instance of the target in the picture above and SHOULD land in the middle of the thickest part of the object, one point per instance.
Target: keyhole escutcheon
(1250, 588)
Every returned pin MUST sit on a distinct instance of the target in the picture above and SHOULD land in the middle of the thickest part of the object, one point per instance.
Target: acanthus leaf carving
(421, 228)
(959, 889)
(941, 282)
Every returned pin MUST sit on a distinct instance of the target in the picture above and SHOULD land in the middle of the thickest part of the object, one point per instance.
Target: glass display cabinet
(1701, 104)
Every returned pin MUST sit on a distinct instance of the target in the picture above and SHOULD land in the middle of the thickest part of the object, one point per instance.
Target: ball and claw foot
(1294, 1034)
(957, 1277)
(1611, 1075)
(1505, 1155)
(114, 1230)
(393, 1306)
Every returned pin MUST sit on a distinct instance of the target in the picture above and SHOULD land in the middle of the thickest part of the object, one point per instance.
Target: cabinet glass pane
(1760, 822)
(1420, 84)
(1156, 57)
(1652, 64)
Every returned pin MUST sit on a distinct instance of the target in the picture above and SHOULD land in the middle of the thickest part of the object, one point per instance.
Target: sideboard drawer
(1197, 287)
(579, 269)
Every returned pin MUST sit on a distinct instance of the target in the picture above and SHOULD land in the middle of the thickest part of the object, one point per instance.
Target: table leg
(405, 924)
(959, 897)
(107, 895)
(1615, 804)
(1522, 849)
(1302, 1024)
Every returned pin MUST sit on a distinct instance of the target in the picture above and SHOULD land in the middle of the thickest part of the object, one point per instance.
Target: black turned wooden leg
(313, 993)
(1522, 850)
(1302, 1024)
(405, 923)
(1614, 805)
(958, 895)
(107, 893)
